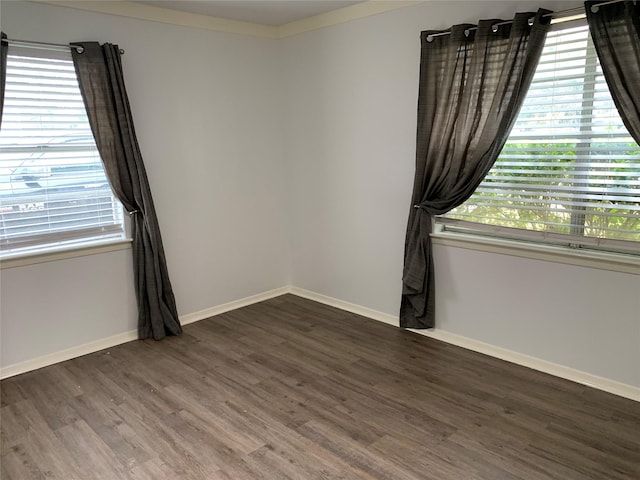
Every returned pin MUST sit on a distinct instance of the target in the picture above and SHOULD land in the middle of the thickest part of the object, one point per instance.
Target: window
(53, 189)
(569, 172)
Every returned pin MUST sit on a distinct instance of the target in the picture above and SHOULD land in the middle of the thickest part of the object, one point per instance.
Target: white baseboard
(342, 305)
(227, 307)
(68, 354)
(605, 384)
(97, 345)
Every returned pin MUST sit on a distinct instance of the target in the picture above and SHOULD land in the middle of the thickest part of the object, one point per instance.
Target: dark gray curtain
(472, 84)
(615, 30)
(4, 48)
(99, 71)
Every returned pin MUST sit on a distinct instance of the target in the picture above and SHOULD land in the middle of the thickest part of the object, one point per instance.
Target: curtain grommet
(595, 8)
(494, 28)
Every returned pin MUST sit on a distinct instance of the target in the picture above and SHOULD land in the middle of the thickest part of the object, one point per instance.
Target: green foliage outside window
(551, 168)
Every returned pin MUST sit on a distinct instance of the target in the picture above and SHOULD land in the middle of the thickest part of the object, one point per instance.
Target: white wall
(54, 306)
(206, 109)
(254, 147)
(579, 317)
(350, 118)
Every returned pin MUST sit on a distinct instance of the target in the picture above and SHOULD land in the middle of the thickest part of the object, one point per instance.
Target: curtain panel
(4, 50)
(99, 71)
(472, 83)
(615, 30)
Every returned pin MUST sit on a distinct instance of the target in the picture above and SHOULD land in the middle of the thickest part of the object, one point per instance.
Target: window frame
(58, 245)
(606, 253)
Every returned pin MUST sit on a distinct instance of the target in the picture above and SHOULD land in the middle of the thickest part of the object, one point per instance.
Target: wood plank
(289, 388)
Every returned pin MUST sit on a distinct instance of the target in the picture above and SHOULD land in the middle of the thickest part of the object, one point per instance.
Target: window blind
(569, 171)
(53, 187)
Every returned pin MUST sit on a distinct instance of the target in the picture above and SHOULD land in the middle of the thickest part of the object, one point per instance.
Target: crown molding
(165, 15)
(343, 15)
(139, 11)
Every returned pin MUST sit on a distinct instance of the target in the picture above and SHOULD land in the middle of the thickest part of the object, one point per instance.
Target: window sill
(65, 253)
(616, 262)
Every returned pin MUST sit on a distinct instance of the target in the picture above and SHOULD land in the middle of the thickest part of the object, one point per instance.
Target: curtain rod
(577, 11)
(46, 45)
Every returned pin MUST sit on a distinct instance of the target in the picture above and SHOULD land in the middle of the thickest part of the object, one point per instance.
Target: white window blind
(53, 189)
(569, 172)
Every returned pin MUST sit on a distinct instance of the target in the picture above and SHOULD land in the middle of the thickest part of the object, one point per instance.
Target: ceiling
(264, 12)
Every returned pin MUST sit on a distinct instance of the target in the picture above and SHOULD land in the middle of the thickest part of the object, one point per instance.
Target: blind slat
(52, 183)
(569, 164)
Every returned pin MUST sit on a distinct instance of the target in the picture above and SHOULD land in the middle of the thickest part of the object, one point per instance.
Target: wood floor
(289, 388)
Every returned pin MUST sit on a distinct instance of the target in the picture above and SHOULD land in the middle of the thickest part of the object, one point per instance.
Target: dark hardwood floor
(289, 388)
